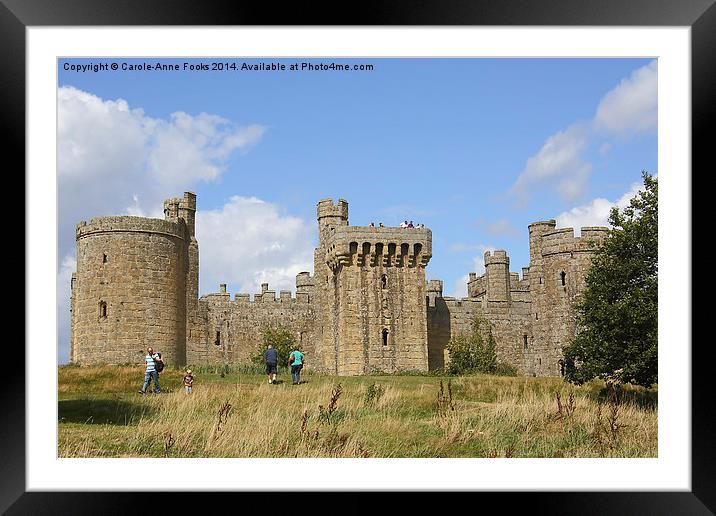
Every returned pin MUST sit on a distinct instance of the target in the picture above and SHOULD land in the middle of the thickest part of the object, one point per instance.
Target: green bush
(474, 352)
(281, 339)
(505, 369)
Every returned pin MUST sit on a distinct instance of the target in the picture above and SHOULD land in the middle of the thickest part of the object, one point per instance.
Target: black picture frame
(699, 15)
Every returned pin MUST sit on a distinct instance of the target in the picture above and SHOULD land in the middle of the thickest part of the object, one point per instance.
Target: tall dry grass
(242, 416)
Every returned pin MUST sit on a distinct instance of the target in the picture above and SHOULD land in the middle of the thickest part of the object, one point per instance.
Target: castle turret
(331, 216)
(187, 211)
(376, 289)
(130, 290)
(497, 272)
(560, 261)
(434, 290)
(182, 208)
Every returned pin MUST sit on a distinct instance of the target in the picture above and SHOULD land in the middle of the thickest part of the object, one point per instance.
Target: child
(188, 380)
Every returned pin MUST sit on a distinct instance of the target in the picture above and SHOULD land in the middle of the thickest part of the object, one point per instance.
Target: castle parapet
(476, 285)
(129, 224)
(265, 296)
(363, 245)
(562, 240)
(326, 208)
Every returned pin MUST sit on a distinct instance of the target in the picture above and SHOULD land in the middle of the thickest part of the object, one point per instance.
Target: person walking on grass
(188, 381)
(271, 359)
(295, 360)
(150, 373)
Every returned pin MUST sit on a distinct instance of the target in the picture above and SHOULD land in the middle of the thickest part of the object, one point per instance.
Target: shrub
(505, 369)
(281, 339)
(474, 352)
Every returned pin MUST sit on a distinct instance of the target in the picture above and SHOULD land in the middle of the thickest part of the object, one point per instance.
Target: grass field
(239, 415)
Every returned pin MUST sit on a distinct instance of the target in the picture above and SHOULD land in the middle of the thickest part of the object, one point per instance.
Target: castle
(367, 307)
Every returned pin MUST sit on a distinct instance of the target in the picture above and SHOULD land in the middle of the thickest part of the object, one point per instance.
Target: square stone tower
(373, 294)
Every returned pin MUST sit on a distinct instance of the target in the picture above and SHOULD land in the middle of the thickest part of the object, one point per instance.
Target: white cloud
(558, 162)
(631, 107)
(628, 109)
(459, 289)
(113, 159)
(248, 242)
(596, 213)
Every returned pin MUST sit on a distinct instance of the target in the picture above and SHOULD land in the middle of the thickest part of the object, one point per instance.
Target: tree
(281, 339)
(617, 312)
(473, 352)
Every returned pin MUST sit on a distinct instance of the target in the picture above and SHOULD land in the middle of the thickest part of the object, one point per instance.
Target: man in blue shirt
(271, 359)
(150, 372)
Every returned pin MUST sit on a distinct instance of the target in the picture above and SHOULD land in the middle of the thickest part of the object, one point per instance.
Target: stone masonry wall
(129, 291)
(566, 260)
(367, 308)
(379, 292)
(234, 328)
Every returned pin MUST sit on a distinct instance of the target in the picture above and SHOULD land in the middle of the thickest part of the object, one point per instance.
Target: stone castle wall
(129, 290)
(234, 327)
(378, 288)
(367, 308)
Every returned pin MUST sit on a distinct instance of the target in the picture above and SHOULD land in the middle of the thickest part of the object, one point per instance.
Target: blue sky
(475, 149)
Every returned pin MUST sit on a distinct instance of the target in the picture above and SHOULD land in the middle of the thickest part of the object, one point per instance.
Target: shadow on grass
(642, 398)
(101, 411)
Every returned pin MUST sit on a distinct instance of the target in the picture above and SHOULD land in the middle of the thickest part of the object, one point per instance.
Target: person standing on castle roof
(372, 225)
(410, 224)
(380, 225)
(271, 359)
(404, 224)
(150, 373)
(295, 360)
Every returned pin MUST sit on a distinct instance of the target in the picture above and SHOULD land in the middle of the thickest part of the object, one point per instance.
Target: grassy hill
(235, 413)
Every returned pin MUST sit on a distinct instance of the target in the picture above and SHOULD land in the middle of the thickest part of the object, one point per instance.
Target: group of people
(154, 365)
(403, 225)
(295, 361)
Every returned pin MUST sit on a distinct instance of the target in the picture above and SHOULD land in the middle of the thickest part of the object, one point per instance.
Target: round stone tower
(130, 290)
(564, 262)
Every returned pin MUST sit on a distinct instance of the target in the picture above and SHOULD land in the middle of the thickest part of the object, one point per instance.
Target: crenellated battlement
(562, 240)
(496, 257)
(326, 208)
(264, 297)
(129, 224)
(389, 247)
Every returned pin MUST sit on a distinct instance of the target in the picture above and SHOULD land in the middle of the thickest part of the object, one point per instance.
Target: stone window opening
(563, 276)
(217, 340)
(536, 317)
(104, 258)
(102, 310)
(525, 338)
(384, 333)
(384, 281)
